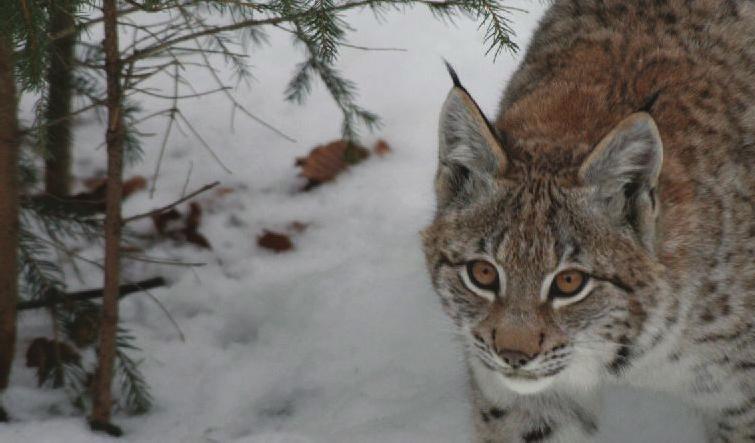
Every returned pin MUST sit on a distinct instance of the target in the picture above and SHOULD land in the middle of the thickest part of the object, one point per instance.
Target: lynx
(602, 228)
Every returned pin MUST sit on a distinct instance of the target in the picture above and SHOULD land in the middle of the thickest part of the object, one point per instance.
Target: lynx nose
(515, 359)
(518, 345)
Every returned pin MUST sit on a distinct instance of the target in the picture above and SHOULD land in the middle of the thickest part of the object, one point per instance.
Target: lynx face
(545, 277)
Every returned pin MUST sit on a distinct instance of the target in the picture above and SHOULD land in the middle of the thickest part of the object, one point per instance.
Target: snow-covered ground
(340, 340)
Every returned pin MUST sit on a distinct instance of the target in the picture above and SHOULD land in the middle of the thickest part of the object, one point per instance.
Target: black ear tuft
(452, 73)
(470, 155)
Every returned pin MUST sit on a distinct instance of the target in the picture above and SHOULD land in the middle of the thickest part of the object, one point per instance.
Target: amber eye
(483, 274)
(568, 283)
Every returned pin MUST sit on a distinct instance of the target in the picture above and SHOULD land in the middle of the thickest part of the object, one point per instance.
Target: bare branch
(167, 314)
(180, 97)
(370, 48)
(203, 142)
(232, 99)
(71, 115)
(160, 261)
(172, 205)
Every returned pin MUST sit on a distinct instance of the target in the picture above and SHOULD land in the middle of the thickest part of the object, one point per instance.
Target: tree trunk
(59, 78)
(100, 419)
(9, 200)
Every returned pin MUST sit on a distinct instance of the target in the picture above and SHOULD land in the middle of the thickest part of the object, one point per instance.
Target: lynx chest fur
(602, 229)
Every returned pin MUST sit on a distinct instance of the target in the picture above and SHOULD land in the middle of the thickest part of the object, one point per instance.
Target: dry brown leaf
(298, 226)
(188, 228)
(135, 183)
(196, 238)
(162, 219)
(222, 191)
(323, 163)
(275, 241)
(94, 198)
(191, 230)
(194, 218)
(381, 148)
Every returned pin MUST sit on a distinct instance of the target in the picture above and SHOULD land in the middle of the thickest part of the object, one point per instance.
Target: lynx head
(547, 276)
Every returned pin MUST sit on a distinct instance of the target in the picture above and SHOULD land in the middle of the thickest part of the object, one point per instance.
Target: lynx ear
(470, 154)
(624, 168)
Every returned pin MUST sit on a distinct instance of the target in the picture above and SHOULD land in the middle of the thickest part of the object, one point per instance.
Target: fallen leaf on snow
(323, 163)
(381, 148)
(198, 239)
(194, 217)
(162, 219)
(191, 231)
(222, 191)
(297, 226)
(135, 183)
(172, 224)
(94, 198)
(275, 241)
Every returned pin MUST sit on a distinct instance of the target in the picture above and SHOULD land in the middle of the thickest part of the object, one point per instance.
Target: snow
(342, 339)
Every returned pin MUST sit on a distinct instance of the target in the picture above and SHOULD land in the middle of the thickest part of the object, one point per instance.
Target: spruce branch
(295, 16)
(342, 90)
(39, 273)
(137, 398)
(498, 31)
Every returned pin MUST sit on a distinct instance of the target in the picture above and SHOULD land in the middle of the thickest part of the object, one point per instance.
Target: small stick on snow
(167, 314)
(172, 205)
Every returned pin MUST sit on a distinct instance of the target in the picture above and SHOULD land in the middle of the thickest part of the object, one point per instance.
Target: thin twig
(229, 96)
(70, 253)
(211, 51)
(71, 115)
(166, 136)
(179, 97)
(151, 8)
(188, 177)
(172, 205)
(369, 48)
(167, 313)
(203, 142)
(160, 261)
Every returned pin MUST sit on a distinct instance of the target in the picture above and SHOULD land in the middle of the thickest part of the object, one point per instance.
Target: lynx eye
(483, 274)
(568, 283)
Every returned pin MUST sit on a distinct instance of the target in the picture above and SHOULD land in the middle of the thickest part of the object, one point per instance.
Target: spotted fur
(624, 146)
